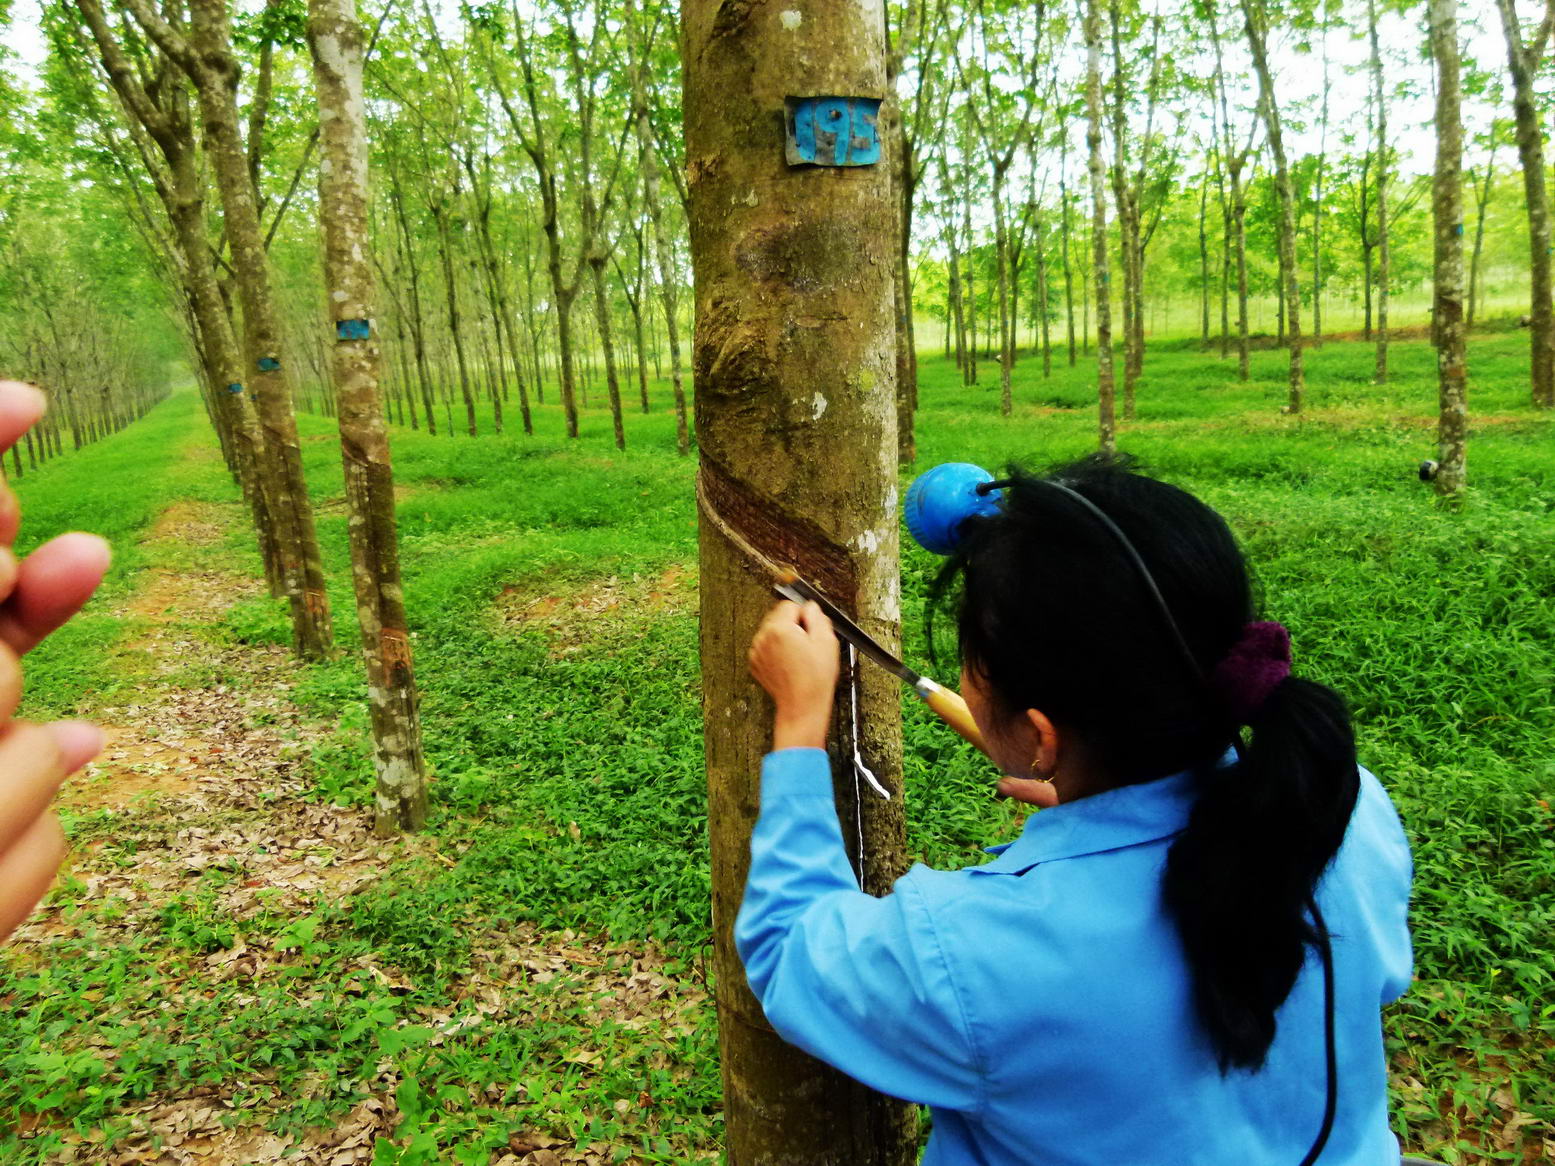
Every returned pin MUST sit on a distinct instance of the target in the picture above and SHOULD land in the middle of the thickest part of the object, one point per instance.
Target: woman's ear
(1045, 763)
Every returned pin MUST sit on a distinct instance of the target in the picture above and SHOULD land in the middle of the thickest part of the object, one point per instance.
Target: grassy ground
(234, 960)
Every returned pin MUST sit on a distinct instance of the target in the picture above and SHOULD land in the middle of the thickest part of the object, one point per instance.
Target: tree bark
(1447, 216)
(1384, 259)
(1317, 205)
(335, 38)
(1524, 60)
(1482, 204)
(1063, 196)
(1105, 385)
(1236, 222)
(205, 55)
(663, 249)
(1290, 278)
(795, 369)
(608, 345)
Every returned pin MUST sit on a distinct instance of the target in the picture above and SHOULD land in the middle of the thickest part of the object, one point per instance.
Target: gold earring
(1036, 762)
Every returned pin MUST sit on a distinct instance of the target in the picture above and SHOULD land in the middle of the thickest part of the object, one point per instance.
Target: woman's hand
(36, 596)
(794, 657)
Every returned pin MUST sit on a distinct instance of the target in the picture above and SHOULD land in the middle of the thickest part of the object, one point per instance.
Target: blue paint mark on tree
(352, 330)
(831, 131)
(269, 363)
(234, 388)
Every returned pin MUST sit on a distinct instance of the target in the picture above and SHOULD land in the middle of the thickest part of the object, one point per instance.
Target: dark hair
(1053, 614)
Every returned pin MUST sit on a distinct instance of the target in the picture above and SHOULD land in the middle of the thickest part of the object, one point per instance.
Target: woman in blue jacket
(1183, 960)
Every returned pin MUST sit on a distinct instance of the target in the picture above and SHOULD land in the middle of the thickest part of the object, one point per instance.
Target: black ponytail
(1053, 613)
(1239, 878)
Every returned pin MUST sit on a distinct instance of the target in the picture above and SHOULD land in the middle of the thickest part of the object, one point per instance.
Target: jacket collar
(1126, 816)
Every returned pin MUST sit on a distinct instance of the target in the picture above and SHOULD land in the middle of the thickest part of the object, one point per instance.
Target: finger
(9, 570)
(10, 515)
(20, 407)
(813, 617)
(78, 742)
(51, 585)
(27, 868)
(10, 683)
(31, 768)
(1029, 791)
(784, 612)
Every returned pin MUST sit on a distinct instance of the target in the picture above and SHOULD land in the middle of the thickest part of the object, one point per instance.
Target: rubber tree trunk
(607, 344)
(336, 40)
(1063, 198)
(455, 320)
(1481, 205)
(1447, 217)
(206, 56)
(653, 203)
(1384, 258)
(1524, 61)
(168, 122)
(794, 363)
(1006, 315)
(1106, 386)
(1257, 40)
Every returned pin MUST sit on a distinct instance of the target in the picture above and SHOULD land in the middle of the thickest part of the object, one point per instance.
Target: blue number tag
(352, 329)
(831, 131)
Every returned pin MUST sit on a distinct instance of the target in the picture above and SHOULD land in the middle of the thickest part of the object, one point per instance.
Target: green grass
(568, 761)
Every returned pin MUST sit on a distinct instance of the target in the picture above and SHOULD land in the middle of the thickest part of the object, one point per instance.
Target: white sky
(1299, 78)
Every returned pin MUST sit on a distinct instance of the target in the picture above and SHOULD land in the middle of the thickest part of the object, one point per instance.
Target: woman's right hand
(794, 657)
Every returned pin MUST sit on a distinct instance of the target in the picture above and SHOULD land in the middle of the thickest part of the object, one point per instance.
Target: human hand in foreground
(37, 595)
(794, 657)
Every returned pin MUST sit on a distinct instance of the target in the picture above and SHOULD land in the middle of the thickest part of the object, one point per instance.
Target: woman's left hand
(794, 657)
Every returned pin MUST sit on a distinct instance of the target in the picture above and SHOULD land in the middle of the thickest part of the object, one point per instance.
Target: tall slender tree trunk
(1269, 106)
(1482, 204)
(648, 153)
(1524, 60)
(206, 56)
(1063, 196)
(1384, 259)
(1040, 245)
(1002, 267)
(957, 308)
(1204, 262)
(969, 285)
(335, 37)
(1447, 215)
(793, 336)
(455, 325)
(608, 345)
(1105, 387)
(1317, 205)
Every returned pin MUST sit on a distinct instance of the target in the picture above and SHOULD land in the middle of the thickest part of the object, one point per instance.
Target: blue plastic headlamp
(941, 499)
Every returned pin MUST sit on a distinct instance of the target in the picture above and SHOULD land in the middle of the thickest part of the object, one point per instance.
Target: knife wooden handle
(951, 709)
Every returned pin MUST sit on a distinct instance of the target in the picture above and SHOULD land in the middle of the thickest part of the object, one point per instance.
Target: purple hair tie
(1253, 668)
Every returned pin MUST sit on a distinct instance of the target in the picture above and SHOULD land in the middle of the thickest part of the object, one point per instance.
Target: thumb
(1042, 794)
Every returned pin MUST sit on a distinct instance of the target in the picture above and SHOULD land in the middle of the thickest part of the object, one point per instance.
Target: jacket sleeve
(858, 982)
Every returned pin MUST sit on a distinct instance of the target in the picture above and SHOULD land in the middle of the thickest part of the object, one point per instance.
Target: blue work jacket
(1040, 1003)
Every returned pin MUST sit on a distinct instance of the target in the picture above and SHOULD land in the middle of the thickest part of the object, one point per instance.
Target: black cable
(1331, 1055)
